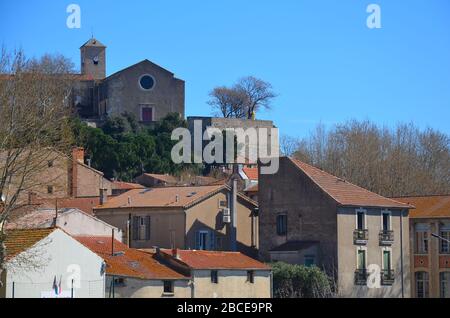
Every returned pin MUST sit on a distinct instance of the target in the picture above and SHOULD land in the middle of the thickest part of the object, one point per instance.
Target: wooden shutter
(135, 231)
(147, 227)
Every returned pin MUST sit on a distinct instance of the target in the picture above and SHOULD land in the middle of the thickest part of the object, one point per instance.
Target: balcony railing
(360, 237)
(387, 277)
(386, 237)
(361, 277)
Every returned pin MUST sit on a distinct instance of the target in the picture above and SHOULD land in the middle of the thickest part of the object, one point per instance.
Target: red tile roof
(84, 204)
(434, 206)
(126, 185)
(217, 260)
(128, 262)
(344, 192)
(163, 177)
(251, 173)
(18, 241)
(162, 197)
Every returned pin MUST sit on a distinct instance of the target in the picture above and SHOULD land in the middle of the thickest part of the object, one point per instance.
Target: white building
(48, 263)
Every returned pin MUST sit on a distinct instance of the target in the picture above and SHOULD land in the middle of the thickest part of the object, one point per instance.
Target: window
(445, 237)
(214, 277)
(422, 290)
(119, 282)
(310, 260)
(141, 228)
(251, 277)
(50, 163)
(168, 287)
(223, 204)
(387, 260)
(421, 238)
(146, 114)
(282, 224)
(147, 82)
(361, 219)
(444, 279)
(386, 220)
(205, 240)
(361, 261)
(50, 189)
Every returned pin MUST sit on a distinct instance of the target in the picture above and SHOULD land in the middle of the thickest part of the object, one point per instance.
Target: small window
(421, 238)
(361, 219)
(50, 189)
(444, 278)
(214, 277)
(310, 260)
(282, 224)
(168, 287)
(119, 281)
(445, 238)
(251, 277)
(422, 287)
(223, 204)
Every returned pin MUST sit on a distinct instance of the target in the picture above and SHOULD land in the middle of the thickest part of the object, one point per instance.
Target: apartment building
(360, 238)
(430, 245)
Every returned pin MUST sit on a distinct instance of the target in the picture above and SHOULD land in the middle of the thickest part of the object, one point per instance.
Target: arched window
(422, 285)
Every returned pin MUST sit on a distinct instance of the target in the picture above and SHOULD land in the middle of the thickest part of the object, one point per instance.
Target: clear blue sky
(321, 58)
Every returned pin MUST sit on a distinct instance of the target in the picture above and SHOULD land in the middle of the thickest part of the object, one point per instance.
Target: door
(147, 114)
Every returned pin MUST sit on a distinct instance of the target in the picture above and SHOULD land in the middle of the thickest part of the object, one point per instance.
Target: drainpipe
(233, 214)
(401, 251)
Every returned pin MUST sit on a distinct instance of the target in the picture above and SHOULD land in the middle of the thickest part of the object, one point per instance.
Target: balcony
(386, 237)
(361, 277)
(360, 237)
(387, 277)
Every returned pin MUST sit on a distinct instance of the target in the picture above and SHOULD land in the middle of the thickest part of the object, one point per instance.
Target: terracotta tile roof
(434, 206)
(344, 192)
(126, 185)
(127, 261)
(251, 173)
(162, 177)
(85, 204)
(33, 219)
(217, 260)
(18, 241)
(162, 197)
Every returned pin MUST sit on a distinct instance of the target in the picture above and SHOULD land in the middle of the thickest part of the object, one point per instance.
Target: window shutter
(212, 240)
(135, 228)
(197, 240)
(147, 227)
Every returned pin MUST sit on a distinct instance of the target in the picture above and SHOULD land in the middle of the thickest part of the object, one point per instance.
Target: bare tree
(288, 145)
(34, 130)
(243, 99)
(392, 162)
(258, 93)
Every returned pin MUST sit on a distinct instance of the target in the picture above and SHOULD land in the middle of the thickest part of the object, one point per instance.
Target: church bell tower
(93, 59)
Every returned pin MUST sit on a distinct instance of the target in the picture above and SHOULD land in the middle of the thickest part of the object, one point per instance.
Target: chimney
(177, 198)
(78, 154)
(103, 196)
(175, 253)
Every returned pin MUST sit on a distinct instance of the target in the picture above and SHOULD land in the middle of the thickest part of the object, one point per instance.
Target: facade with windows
(430, 245)
(194, 217)
(310, 217)
(145, 90)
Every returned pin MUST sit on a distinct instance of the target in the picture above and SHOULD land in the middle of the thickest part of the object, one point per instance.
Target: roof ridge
(297, 163)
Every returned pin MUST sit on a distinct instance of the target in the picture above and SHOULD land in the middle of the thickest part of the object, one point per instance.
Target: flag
(55, 286)
(59, 285)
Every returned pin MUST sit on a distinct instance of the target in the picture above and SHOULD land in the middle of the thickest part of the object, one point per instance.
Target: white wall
(52, 256)
(78, 223)
(231, 284)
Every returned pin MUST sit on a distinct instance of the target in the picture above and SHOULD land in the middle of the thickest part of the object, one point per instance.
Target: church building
(144, 89)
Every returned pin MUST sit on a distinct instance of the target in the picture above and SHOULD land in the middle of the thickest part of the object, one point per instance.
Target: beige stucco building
(361, 239)
(198, 217)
